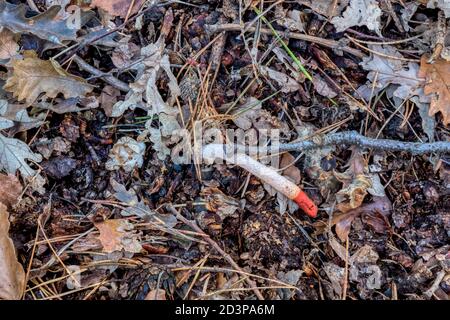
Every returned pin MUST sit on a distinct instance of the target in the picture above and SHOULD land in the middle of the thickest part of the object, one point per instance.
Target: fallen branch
(214, 244)
(116, 83)
(293, 35)
(355, 139)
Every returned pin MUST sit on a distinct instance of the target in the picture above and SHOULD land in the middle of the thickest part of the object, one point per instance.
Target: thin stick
(344, 289)
(293, 35)
(380, 53)
(116, 83)
(213, 244)
(354, 138)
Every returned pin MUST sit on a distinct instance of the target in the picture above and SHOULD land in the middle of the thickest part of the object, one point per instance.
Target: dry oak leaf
(10, 189)
(437, 82)
(45, 25)
(117, 7)
(12, 275)
(32, 76)
(118, 235)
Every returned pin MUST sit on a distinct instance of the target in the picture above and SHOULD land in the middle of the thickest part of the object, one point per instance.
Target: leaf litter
(97, 183)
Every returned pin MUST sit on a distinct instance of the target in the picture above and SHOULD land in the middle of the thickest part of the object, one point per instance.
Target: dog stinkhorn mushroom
(265, 173)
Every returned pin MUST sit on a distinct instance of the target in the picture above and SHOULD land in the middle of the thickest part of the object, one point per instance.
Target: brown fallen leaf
(157, 294)
(32, 76)
(10, 189)
(117, 7)
(343, 222)
(437, 75)
(117, 235)
(12, 275)
(287, 163)
(8, 44)
(108, 98)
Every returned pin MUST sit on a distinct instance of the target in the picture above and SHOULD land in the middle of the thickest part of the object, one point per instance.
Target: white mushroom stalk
(267, 174)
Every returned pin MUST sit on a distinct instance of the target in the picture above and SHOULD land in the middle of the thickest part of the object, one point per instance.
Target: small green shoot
(285, 46)
(289, 51)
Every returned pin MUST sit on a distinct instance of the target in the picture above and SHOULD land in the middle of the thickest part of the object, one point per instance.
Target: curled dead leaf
(12, 275)
(356, 183)
(343, 222)
(437, 75)
(218, 202)
(127, 153)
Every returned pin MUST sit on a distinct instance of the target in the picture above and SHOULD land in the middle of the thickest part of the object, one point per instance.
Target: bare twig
(293, 35)
(214, 244)
(356, 139)
(106, 77)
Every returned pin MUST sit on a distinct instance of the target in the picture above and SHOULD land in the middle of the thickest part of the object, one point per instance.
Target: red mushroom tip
(306, 204)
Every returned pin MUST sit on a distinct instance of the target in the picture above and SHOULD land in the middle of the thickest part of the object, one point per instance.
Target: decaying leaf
(13, 156)
(45, 25)
(293, 21)
(127, 154)
(118, 7)
(46, 147)
(245, 115)
(364, 270)
(360, 13)
(8, 44)
(159, 143)
(10, 189)
(32, 76)
(343, 222)
(323, 88)
(286, 83)
(108, 98)
(437, 77)
(353, 193)
(216, 201)
(385, 71)
(402, 81)
(123, 53)
(17, 113)
(138, 207)
(145, 85)
(14, 153)
(336, 276)
(117, 235)
(12, 275)
(144, 94)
